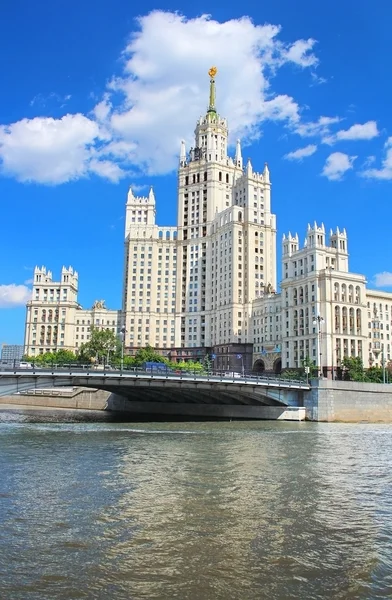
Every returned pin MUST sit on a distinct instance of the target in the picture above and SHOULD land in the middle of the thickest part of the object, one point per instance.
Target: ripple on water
(195, 510)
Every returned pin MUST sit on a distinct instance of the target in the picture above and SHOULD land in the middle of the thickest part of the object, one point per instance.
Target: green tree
(353, 368)
(207, 363)
(374, 375)
(313, 370)
(292, 374)
(148, 354)
(101, 347)
(62, 357)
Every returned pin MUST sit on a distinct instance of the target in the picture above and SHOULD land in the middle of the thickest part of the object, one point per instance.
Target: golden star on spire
(212, 72)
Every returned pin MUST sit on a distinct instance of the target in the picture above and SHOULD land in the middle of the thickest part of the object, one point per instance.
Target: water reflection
(190, 511)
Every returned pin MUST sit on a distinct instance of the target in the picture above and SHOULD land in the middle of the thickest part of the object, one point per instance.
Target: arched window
(350, 294)
(359, 322)
(344, 292)
(160, 235)
(357, 295)
(240, 217)
(337, 319)
(351, 321)
(336, 292)
(344, 319)
(168, 235)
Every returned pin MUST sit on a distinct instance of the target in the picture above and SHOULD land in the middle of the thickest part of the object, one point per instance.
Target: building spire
(238, 155)
(212, 73)
(182, 154)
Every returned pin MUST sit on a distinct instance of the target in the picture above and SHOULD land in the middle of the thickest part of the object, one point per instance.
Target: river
(194, 511)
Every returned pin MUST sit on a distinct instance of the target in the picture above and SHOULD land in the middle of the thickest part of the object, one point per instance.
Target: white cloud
(321, 127)
(14, 295)
(337, 164)
(52, 151)
(317, 80)
(383, 279)
(107, 169)
(155, 101)
(42, 101)
(366, 131)
(386, 171)
(301, 153)
(369, 160)
(165, 83)
(300, 53)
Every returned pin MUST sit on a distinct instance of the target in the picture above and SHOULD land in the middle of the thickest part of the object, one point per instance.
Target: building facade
(188, 290)
(10, 352)
(323, 311)
(54, 318)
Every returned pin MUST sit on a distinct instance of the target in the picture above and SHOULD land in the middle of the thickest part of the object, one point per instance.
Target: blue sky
(96, 97)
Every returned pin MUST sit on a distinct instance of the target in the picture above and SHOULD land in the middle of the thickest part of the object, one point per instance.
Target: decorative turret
(315, 236)
(266, 173)
(130, 197)
(338, 240)
(290, 244)
(249, 170)
(69, 276)
(41, 275)
(140, 211)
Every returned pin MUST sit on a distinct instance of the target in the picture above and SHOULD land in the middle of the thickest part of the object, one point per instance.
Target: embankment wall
(348, 401)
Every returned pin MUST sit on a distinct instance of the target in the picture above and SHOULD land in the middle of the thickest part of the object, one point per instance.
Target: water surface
(195, 511)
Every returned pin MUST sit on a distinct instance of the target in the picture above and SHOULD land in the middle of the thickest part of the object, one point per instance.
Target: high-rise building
(54, 318)
(11, 352)
(189, 289)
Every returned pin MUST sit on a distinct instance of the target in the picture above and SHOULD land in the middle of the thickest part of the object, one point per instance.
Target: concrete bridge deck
(170, 393)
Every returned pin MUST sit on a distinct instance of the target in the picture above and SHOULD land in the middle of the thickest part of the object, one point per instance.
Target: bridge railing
(164, 371)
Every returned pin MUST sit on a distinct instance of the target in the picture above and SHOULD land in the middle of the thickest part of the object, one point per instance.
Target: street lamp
(318, 321)
(123, 332)
(240, 356)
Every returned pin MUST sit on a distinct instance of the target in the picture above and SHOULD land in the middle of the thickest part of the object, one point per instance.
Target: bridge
(171, 393)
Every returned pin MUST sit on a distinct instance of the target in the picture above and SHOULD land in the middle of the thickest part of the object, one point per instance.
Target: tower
(226, 236)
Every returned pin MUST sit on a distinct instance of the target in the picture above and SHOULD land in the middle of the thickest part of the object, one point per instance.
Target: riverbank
(348, 402)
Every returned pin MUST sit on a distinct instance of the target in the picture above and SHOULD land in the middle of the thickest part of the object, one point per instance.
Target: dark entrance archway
(259, 367)
(278, 366)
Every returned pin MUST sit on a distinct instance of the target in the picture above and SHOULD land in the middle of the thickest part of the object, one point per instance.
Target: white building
(189, 290)
(54, 318)
(208, 285)
(323, 311)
